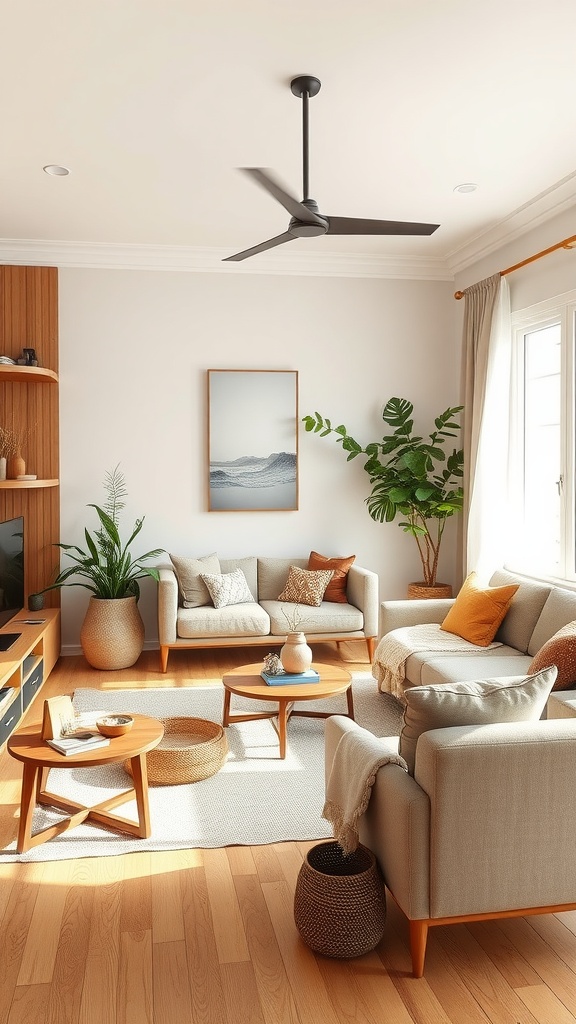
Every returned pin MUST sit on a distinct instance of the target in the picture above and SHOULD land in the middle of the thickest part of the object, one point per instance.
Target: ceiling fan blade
(359, 226)
(287, 236)
(296, 209)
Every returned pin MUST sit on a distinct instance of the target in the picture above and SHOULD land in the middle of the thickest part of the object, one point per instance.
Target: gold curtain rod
(567, 243)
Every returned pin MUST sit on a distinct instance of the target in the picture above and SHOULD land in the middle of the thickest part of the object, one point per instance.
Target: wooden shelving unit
(27, 374)
(28, 663)
(19, 484)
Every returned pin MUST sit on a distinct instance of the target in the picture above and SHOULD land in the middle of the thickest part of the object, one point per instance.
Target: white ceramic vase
(295, 655)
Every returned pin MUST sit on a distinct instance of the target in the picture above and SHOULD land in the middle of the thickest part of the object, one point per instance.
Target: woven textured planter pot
(191, 749)
(339, 902)
(112, 634)
(422, 590)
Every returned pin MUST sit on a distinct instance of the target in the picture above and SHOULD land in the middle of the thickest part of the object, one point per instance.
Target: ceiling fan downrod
(305, 86)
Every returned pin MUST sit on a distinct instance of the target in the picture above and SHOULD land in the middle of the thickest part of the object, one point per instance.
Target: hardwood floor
(208, 936)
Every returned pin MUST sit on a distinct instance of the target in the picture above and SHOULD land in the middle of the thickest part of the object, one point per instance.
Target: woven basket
(190, 750)
(422, 590)
(339, 902)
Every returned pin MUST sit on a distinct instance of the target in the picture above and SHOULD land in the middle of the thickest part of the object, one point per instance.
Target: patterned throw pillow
(559, 650)
(336, 589)
(305, 587)
(188, 572)
(228, 588)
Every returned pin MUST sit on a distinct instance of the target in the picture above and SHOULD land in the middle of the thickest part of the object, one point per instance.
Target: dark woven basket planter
(340, 903)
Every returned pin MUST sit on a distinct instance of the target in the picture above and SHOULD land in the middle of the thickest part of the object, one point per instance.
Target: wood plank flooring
(208, 936)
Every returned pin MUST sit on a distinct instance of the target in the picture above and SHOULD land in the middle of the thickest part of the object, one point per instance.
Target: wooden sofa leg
(164, 652)
(418, 939)
(371, 645)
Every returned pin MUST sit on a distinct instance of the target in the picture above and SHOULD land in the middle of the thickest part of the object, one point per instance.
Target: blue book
(310, 676)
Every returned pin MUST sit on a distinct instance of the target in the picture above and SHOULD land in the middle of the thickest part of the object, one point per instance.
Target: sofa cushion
(233, 620)
(249, 567)
(528, 601)
(228, 588)
(272, 575)
(304, 586)
(559, 650)
(480, 702)
(336, 589)
(478, 611)
(560, 608)
(502, 661)
(188, 573)
(330, 617)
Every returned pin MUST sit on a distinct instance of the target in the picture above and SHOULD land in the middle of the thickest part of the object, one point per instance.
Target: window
(542, 472)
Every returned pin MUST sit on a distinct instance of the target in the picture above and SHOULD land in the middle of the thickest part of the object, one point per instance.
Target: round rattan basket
(339, 902)
(190, 750)
(422, 590)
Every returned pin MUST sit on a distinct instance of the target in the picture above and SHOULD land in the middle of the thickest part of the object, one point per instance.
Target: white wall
(134, 350)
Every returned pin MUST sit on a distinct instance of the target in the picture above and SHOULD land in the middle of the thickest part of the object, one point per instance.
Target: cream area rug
(255, 798)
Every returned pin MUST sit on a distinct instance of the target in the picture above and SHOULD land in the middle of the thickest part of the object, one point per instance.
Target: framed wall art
(253, 440)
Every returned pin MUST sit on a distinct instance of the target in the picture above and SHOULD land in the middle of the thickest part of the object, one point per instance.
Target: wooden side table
(38, 758)
(246, 681)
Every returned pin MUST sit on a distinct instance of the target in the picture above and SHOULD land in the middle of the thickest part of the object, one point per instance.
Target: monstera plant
(414, 479)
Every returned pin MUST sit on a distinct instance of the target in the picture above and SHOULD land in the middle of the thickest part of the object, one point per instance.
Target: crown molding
(92, 256)
(544, 207)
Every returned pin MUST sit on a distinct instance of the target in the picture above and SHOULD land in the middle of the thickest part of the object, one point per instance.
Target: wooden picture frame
(252, 440)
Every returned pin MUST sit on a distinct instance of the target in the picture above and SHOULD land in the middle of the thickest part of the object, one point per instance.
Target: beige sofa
(262, 622)
(456, 844)
(537, 612)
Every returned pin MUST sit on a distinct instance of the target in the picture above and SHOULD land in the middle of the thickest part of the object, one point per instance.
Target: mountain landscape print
(250, 412)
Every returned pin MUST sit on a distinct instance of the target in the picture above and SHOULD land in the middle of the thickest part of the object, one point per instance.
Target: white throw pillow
(228, 588)
(483, 702)
(188, 571)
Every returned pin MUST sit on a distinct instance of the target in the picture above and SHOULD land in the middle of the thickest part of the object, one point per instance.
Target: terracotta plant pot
(423, 590)
(112, 634)
(15, 467)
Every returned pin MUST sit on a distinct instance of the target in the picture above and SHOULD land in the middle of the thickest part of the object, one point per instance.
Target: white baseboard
(69, 650)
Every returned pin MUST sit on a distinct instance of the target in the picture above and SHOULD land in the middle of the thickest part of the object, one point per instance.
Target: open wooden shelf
(27, 374)
(17, 484)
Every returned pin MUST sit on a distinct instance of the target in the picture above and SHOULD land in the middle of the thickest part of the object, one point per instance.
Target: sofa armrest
(395, 826)
(362, 592)
(167, 605)
(394, 614)
(503, 815)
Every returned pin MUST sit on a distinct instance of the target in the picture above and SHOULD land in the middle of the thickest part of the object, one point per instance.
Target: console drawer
(10, 717)
(32, 684)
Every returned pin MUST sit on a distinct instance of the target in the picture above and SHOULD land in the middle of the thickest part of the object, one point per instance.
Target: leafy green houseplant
(113, 628)
(413, 479)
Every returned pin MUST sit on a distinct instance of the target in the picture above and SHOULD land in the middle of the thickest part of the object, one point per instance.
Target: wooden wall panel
(29, 319)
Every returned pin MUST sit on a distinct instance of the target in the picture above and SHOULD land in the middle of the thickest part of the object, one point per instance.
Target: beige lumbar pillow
(228, 588)
(306, 587)
(482, 702)
(189, 574)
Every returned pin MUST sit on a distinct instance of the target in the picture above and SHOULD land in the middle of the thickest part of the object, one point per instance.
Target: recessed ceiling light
(467, 186)
(56, 169)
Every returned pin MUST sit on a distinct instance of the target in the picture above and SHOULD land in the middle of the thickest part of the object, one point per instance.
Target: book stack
(282, 678)
(79, 743)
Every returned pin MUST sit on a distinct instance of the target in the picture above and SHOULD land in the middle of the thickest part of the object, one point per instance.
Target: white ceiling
(153, 104)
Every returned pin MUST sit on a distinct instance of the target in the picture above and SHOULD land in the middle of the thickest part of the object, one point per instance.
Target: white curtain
(488, 360)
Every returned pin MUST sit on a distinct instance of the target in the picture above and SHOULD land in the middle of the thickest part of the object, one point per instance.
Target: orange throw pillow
(478, 611)
(336, 589)
(559, 650)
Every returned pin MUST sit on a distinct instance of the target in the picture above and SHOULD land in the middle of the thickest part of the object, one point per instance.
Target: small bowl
(114, 725)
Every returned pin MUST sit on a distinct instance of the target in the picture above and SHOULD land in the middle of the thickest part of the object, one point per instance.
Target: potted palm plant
(112, 634)
(412, 478)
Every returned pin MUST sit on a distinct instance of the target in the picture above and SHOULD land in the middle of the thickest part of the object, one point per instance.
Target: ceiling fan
(306, 219)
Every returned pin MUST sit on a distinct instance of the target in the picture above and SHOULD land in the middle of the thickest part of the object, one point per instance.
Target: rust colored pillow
(559, 650)
(336, 589)
(478, 611)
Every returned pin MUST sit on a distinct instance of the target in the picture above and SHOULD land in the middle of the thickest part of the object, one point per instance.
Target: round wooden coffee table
(38, 758)
(246, 681)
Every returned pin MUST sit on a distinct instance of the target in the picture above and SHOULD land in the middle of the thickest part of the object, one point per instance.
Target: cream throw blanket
(396, 647)
(357, 759)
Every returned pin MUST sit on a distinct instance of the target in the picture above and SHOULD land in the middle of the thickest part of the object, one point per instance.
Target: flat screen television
(11, 569)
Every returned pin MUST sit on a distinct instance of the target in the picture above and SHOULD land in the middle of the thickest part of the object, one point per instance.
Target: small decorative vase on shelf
(295, 655)
(15, 467)
(2, 468)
